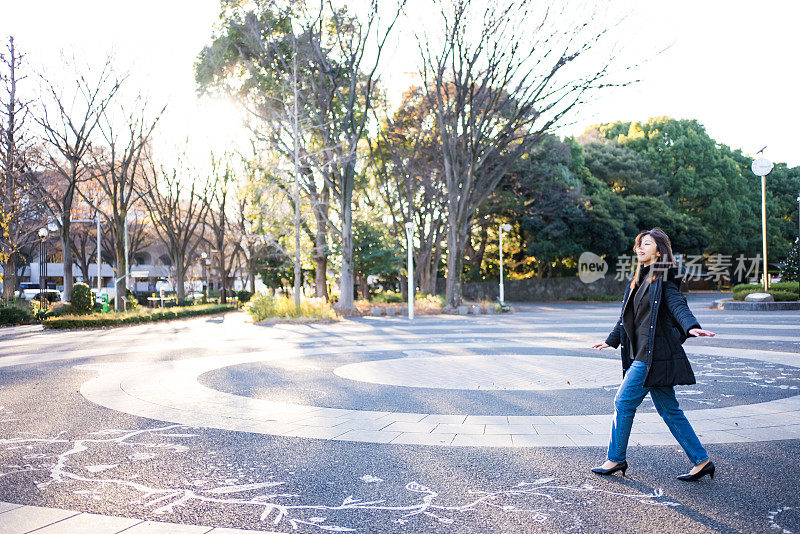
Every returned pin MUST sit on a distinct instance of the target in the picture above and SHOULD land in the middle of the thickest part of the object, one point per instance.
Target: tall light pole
(127, 262)
(204, 257)
(503, 228)
(410, 247)
(762, 167)
(43, 268)
(99, 259)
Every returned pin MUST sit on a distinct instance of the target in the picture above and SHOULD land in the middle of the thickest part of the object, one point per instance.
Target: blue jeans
(630, 395)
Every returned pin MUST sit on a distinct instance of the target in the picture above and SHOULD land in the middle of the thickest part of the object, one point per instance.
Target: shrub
(389, 297)
(133, 300)
(791, 287)
(433, 301)
(263, 306)
(16, 312)
(49, 295)
(96, 320)
(783, 296)
(82, 298)
(744, 287)
(244, 296)
(60, 309)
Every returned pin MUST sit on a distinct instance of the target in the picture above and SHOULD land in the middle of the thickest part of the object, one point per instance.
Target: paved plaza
(378, 424)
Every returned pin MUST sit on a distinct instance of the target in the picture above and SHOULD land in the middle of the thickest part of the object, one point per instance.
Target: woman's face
(647, 251)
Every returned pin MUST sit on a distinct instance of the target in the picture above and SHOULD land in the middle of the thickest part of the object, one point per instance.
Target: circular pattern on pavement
(487, 372)
(170, 391)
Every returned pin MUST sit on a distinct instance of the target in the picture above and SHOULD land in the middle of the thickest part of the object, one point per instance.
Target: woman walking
(653, 324)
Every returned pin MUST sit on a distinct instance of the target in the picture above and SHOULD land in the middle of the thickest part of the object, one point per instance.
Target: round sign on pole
(761, 167)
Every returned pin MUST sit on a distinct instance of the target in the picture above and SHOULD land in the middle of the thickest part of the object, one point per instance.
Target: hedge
(780, 291)
(20, 313)
(97, 320)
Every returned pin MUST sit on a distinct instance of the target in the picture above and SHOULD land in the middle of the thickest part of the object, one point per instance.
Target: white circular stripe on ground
(487, 372)
(170, 391)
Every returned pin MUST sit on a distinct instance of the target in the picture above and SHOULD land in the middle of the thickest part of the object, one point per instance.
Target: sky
(730, 64)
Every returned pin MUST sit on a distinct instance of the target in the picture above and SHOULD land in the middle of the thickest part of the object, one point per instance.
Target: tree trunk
(427, 270)
(10, 276)
(321, 277)
(363, 286)
(479, 254)
(180, 278)
(119, 259)
(251, 268)
(346, 277)
(456, 238)
(321, 246)
(346, 280)
(66, 254)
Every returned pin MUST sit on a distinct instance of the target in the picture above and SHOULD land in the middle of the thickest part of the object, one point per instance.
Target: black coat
(670, 322)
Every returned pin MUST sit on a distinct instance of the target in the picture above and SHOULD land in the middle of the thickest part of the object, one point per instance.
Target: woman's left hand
(699, 332)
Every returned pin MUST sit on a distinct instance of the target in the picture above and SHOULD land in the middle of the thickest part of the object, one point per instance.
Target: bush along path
(97, 320)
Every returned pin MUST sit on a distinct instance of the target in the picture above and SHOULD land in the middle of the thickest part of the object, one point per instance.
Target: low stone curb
(738, 305)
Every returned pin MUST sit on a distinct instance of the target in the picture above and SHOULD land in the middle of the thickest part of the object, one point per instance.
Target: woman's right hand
(601, 346)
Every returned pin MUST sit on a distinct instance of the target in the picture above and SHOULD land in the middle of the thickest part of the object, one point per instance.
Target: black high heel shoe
(707, 469)
(610, 471)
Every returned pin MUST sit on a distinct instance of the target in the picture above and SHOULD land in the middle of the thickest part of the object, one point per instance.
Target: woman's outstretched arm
(613, 338)
(678, 308)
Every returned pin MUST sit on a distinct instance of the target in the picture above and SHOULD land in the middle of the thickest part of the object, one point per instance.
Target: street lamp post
(762, 167)
(99, 260)
(503, 228)
(43, 268)
(204, 257)
(410, 247)
(127, 261)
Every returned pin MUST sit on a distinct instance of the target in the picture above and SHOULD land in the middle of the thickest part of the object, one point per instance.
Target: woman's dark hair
(665, 258)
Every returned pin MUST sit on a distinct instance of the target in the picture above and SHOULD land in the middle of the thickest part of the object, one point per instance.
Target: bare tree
(174, 200)
(116, 172)
(218, 202)
(20, 207)
(342, 103)
(68, 120)
(409, 183)
(504, 76)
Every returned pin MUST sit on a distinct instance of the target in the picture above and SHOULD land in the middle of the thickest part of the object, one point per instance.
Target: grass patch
(96, 320)
(263, 306)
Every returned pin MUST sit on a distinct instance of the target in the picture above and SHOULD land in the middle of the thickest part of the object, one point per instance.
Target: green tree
(331, 57)
(374, 253)
(624, 170)
(703, 179)
(791, 269)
